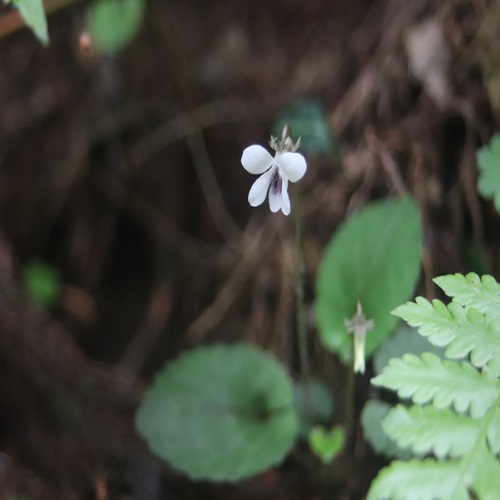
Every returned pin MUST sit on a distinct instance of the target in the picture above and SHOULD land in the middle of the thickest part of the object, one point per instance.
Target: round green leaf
(372, 415)
(373, 258)
(113, 23)
(223, 412)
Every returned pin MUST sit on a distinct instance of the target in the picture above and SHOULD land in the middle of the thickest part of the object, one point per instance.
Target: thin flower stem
(301, 319)
(349, 408)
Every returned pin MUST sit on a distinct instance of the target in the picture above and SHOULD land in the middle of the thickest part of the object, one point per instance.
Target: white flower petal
(293, 165)
(259, 189)
(285, 199)
(274, 201)
(256, 159)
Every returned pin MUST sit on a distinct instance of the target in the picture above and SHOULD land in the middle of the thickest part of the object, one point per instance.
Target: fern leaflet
(430, 379)
(460, 424)
(463, 331)
(483, 294)
(426, 429)
(419, 480)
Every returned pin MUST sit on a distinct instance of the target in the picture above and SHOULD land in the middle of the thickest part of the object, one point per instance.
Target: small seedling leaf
(113, 23)
(326, 445)
(42, 282)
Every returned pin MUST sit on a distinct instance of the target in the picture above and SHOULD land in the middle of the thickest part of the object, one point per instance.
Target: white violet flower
(287, 165)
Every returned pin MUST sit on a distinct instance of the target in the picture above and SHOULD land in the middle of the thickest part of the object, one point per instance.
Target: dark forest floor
(124, 173)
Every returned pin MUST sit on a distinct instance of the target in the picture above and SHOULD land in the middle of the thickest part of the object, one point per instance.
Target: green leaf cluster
(454, 420)
(220, 412)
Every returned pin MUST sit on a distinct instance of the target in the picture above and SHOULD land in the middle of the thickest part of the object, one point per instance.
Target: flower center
(276, 182)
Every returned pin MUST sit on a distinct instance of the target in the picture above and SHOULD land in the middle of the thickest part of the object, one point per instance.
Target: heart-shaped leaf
(373, 258)
(326, 445)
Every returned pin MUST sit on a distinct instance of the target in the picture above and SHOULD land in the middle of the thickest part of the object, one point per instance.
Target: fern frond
(483, 294)
(430, 379)
(462, 331)
(437, 479)
(466, 442)
(426, 429)
(419, 480)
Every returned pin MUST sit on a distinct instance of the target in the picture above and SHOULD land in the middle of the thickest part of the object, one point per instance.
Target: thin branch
(208, 182)
(256, 243)
(388, 163)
